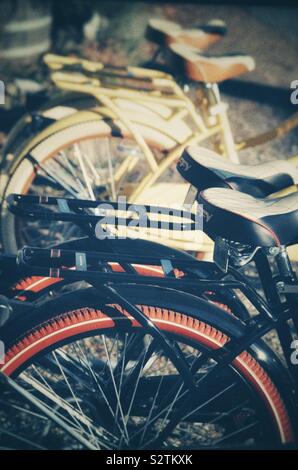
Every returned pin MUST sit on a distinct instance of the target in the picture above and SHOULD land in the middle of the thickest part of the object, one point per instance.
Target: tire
(256, 413)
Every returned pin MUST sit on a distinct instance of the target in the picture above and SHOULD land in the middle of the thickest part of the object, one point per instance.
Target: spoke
(74, 173)
(21, 439)
(45, 176)
(207, 402)
(228, 413)
(96, 382)
(53, 392)
(67, 177)
(71, 391)
(127, 350)
(111, 170)
(149, 420)
(79, 156)
(140, 367)
(123, 361)
(78, 427)
(57, 400)
(48, 412)
(116, 390)
(42, 378)
(93, 169)
(23, 410)
(169, 407)
(58, 180)
(235, 433)
(151, 410)
(66, 406)
(169, 426)
(131, 394)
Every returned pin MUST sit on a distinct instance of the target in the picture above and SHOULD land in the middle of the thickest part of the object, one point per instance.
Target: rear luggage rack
(97, 267)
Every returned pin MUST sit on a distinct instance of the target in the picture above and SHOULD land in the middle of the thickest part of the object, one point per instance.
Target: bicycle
(17, 284)
(202, 374)
(202, 168)
(9, 265)
(158, 32)
(122, 156)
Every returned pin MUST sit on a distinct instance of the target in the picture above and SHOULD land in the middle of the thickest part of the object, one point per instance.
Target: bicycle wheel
(79, 161)
(98, 370)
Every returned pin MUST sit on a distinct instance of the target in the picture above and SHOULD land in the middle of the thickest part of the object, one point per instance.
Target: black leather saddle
(243, 218)
(204, 168)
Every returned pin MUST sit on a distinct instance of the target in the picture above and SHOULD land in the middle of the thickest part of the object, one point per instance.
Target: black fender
(149, 294)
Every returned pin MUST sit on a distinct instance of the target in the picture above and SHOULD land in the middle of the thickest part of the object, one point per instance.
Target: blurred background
(113, 32)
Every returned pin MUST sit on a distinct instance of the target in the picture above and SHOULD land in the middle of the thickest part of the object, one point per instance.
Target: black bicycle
(133, 361)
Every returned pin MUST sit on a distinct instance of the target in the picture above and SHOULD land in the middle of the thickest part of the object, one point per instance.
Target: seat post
(218, 110)
(284, 265)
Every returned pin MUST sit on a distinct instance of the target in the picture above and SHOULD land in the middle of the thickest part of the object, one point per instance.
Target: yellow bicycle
(127, 143)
